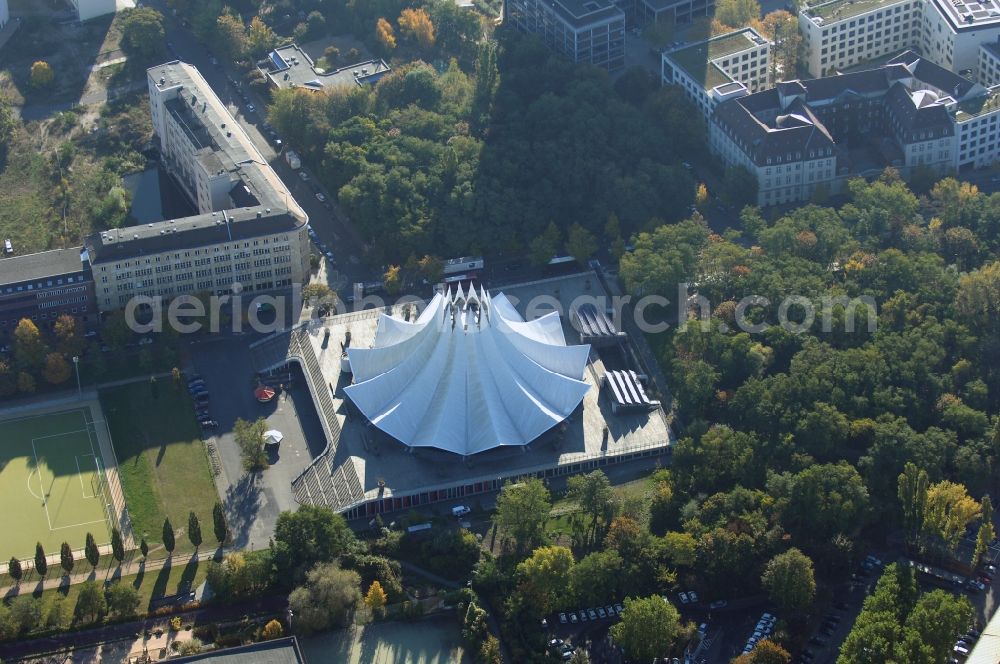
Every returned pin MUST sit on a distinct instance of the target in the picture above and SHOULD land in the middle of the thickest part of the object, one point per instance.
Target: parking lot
(253, 502)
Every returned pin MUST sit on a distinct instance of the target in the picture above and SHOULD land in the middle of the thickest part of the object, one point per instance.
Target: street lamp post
(76, 365)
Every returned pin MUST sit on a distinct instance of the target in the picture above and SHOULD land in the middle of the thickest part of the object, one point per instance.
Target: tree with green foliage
(194, 529)
(249, 438)
(986, 533)
(789, 581)
(168, 536)
(122, 599)
(91, 552)
(118, 545)
(580, 243)
(913, 483)
(489, 651)
(543, 578)
(41, 564)
(948, 511)
(66, 559)
(143, 35)
(820, 501)
(15, 570)
(219, 526)
(594, 495)
(878, 629)
(647, 628)
(308, 536)
(545, 246)
(596, 577)
(326, 599)
(522, 509)
(90, 602)
(663, 258)
(29, 348)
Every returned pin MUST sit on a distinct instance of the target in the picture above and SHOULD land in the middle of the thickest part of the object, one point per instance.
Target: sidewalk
(132, 565)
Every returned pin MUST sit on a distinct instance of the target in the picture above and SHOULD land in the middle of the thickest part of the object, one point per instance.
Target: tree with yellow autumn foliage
(385, 35)
(416, 24)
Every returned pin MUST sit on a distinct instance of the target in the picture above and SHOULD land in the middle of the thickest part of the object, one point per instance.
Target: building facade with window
(44, 286)
(250, 236)
(586, 31)
(802, 137)
(723, 67)
(843, 33)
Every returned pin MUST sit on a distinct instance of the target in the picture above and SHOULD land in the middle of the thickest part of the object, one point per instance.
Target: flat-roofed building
(249, 236)
(802, 135)
(988, 71)
(289, 66)
(44, 286)
(724, 67)
(586, 31)
(839, 34)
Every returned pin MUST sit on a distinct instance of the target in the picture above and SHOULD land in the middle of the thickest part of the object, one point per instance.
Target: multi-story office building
(842, 33)
(4, 13)
(805, 135)
(724, 67)
(250, 234)
(953, 31)
(989, 64)
(586, 31)
(289, 66)
(44, 286)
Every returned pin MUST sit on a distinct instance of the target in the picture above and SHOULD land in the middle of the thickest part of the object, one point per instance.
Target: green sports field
(49, 483)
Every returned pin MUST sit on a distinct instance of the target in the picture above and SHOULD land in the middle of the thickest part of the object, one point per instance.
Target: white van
(460, 510)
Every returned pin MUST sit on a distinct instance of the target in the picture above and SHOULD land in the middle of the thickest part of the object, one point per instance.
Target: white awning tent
(273, 437)
(468, 375)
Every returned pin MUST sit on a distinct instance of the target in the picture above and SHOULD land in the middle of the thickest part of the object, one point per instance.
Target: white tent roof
(468, 375)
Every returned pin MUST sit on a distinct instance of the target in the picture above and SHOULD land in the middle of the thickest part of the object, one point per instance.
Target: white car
(693, 596)
(320, 197)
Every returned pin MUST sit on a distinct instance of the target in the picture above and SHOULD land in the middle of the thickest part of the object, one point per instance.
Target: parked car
(304, 176)
(562, 618)
(209, 424)
(693, 596)
(610, 610)
(583, 616)
(250, 108)
(601, 613)
(195, 377)
(555, 643)
(683, 597)
(718, 604)
(320, 197)
(619, 608)
(592, 614)
(573, 619)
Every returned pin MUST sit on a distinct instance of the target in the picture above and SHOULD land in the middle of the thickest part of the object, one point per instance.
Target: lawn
(162, 460)
(49, 484)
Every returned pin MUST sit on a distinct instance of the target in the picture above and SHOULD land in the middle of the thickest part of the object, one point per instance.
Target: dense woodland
(450, 162)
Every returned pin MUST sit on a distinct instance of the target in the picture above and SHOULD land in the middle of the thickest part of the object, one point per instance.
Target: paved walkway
(132, 565)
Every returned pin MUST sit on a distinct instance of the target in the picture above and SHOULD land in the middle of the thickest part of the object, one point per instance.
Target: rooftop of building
(583, 13)
(44, 264)
(386, 468)
(699, 60)
(976, 106)
(838, 10)
(969, 16)
(278, 651)
(781, 120)
(223, 147)
(289, 66)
